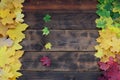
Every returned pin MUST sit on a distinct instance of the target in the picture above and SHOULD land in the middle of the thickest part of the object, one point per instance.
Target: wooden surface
(61, 61)
(32, 75)
(61, 4)
(73, 36)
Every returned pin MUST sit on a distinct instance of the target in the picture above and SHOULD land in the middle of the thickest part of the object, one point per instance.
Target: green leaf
(108, 6)
(101, 1)
(47, 18)
(45, 31)
(115, 15)
(109, 1)
(103, 13)
(48, 45)
(100, 23)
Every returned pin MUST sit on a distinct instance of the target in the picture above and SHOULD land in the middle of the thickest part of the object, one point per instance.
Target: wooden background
(73, 35)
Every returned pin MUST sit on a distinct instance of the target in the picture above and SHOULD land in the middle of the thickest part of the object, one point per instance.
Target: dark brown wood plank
(61, 20)
(61, 61)
(36, 75)
(61, 4)
(62, 40)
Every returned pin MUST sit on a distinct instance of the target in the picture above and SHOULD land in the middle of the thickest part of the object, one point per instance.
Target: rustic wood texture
(61, 61)
(61, 20)
(62, 40)
(60, 4)
(73, 36)
(36, 75)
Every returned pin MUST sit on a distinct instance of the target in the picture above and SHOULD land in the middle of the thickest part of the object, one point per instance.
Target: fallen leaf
(13, 33)
(5, 42)
(3, 30)
(45, 31)
(48, 45)
(45, 61)
(47, 18)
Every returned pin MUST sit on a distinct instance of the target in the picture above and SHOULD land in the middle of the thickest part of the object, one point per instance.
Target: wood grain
(36, 75)
(73, 36)
(61, 61)
(61, 20)
(60, 4)
(62, 40)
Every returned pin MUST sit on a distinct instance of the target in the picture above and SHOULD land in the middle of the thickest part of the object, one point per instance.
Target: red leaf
(111, 70)
(45, 61)
(103, 66)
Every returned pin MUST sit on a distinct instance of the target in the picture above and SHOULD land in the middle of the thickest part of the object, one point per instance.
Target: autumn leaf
(4, 13)
(48, 45)
(103, 66)
(47, 18)
(16, 45)
(45, 61)
(4, 57)
(3, 31)
(13, 33)
(19, 17)
(45, 31)
(8, 19)
(18, 3)
(5, 42)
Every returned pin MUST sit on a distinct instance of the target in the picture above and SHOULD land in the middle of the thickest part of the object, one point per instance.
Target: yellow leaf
(3, 30)
(17, 3)
(115, 47)
(4, 13)
(109, 43)
(7, 73)
(16, 45)
(16, 34)
(8, 19)
(3, 56)
(19, 17)
(99, 52)
(48, 46)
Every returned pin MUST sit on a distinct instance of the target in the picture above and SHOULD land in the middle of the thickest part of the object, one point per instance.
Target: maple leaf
(6, 42)
(19, 17)
(103, 66)
(17, 3)
(47, 18)
(3, 30)
(4, 13)
(100, 23)
(103, 13)
(13, 33)
(6, 73)
(8, 19)
(4, 57)
(16, 45)
(45, 31)
(45, 61)
(16, 65)
(48, 45)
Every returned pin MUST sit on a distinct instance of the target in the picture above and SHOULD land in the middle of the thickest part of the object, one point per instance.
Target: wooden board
(62, 40)
(36, 75)
(61, 61)
(73, 35)
(61, 20)
(61, 4)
